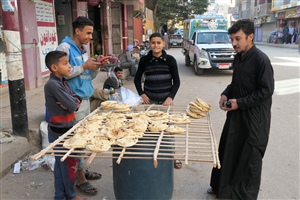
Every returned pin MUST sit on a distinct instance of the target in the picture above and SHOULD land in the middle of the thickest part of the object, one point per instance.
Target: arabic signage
(291, 13)
(46, 30)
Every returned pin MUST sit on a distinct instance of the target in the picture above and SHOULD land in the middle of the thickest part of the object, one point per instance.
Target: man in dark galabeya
(246, 131)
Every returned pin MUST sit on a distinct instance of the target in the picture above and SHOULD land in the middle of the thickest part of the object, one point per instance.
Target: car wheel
(197, 70)
(187, 60)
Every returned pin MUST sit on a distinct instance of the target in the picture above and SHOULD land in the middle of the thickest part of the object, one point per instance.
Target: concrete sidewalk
(19, 146)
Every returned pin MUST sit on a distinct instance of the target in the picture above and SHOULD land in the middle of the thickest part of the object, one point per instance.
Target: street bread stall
(143, 143)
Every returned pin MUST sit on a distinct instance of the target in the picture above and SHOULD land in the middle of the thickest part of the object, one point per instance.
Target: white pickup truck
(207, 48)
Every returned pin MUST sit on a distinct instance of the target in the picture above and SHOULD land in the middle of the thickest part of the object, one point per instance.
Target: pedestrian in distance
(285, 33)
(247, 100)
(61, 102)
(291, 33)
(83, 70)
(298, 43)
(128, 61)
(161, 77)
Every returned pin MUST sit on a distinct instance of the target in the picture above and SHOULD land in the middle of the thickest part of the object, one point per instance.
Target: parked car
(175, 40)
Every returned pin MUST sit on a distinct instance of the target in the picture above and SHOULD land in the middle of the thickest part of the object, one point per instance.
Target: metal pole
(13, 54)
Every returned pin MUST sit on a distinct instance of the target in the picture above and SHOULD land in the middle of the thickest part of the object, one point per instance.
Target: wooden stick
(66, 155)
(90, 159)
(213, 149)
(186, 146)
(149, 107)
(156, 150)
(218, 165)
(121, 156)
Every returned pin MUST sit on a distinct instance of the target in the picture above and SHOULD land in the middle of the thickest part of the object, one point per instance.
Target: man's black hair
(246, 25)
(156, 35)
(81, 22)
(117, 69)
(53, 57)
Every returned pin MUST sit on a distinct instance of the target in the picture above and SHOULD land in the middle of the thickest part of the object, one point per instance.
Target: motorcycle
(144, 49)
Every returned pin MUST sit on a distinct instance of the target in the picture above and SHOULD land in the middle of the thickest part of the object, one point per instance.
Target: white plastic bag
(125, 95)
(44, 133)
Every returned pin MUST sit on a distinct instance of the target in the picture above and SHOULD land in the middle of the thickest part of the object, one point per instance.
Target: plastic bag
(44, 133)
(125, 95)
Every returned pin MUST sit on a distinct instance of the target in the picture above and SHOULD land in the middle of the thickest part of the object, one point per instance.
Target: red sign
(94, 2)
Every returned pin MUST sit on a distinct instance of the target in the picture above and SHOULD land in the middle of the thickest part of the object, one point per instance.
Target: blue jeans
(64, 174)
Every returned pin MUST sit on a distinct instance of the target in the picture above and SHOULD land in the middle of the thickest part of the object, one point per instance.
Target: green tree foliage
(176, 10)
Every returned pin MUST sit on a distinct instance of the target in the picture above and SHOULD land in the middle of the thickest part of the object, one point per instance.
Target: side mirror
(191, 42)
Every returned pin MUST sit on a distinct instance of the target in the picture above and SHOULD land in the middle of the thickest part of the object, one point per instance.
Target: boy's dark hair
(117, 69)
(53, 57)
(246, 25)
(81, 22)
(156, 35)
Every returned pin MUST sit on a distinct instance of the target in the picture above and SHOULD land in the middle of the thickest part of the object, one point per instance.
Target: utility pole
(13, 55)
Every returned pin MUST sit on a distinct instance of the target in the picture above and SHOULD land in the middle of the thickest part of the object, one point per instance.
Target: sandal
(211, 191)
(177, 164)
(87, 189)
(92, 175)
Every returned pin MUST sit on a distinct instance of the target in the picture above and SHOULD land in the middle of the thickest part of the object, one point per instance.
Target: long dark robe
(246, 131)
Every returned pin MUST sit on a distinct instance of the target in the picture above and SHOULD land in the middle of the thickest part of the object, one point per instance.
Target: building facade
(44, 23)
(271, 16)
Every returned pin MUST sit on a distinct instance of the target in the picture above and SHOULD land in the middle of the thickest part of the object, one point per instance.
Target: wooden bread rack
(197, 144)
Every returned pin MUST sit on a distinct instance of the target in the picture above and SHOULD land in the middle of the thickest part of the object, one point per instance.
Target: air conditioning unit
(258, 9)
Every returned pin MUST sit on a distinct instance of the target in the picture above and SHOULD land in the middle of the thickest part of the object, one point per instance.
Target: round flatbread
(117, 133)
(75, 143)
(127, 141)
(157, 127)
(101, 138)
(164, 116)
(123, 106)
(108, 104)
(99, 146)
(175, 130)
(179, 119)
(154, 113)
(114, 124)
(85, 134)
(122, 110)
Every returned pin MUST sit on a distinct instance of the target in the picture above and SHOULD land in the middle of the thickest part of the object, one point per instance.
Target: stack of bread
(198, 109)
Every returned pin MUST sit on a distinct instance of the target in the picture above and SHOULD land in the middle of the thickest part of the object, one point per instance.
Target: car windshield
(175, 36)
(213, 38)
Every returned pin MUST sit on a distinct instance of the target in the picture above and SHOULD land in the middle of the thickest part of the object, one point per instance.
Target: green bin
(139, 179)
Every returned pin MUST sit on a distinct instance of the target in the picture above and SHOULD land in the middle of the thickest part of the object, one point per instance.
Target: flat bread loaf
(127, 141)
(75, 143)
(175, 130)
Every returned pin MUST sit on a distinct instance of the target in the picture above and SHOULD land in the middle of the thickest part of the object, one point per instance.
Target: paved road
(280, 178)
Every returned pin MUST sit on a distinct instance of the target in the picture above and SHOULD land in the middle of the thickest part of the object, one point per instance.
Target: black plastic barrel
(139, 179)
